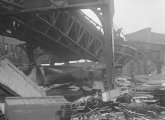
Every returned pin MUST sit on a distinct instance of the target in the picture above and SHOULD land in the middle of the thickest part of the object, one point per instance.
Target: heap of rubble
(93, 108)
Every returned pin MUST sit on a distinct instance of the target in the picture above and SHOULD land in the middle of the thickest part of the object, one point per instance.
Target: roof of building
(146, 36)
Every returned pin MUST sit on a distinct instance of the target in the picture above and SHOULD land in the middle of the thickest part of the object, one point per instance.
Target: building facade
(151, 56)
(9, 47)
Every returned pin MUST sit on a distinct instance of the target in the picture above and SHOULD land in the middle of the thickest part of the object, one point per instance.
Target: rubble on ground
(90, 107)
(124, 108)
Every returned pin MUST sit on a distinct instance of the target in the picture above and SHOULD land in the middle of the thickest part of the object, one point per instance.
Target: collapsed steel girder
(65, 33)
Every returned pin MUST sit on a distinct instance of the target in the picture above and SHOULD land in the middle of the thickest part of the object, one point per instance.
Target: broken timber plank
(17, 81)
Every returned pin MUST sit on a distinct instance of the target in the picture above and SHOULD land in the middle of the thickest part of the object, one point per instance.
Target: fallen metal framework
(59, 26)
(67, 33)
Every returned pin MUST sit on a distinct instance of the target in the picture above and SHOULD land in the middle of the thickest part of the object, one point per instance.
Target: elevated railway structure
(62, 30)
(68, 33)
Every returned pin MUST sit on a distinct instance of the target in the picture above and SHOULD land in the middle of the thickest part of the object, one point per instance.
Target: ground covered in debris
(124, 108)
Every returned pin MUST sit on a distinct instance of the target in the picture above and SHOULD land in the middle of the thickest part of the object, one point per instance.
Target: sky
(92, 15)
(134, 15)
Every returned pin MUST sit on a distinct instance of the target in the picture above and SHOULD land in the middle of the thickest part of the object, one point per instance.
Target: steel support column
(109, 43)
(30, 53)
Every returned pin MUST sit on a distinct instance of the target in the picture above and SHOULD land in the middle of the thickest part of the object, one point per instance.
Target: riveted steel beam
(57, 25)
(69, 25)
(35, 6)
(80, 34)
(77, 36)
(63, 33)
(123, 52)
(80, 39)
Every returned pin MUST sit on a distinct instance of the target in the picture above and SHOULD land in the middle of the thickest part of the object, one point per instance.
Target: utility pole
(109, 42)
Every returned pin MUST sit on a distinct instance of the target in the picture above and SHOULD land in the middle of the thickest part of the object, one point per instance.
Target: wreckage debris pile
(92, 107)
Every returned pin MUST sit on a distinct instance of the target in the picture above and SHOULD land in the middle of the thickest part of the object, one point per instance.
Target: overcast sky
(133, 15)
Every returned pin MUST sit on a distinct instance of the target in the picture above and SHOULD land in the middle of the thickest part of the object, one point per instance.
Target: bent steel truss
(70, 34)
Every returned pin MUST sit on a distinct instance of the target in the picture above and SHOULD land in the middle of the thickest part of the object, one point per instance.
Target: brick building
(10, 47)
(151, 56)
